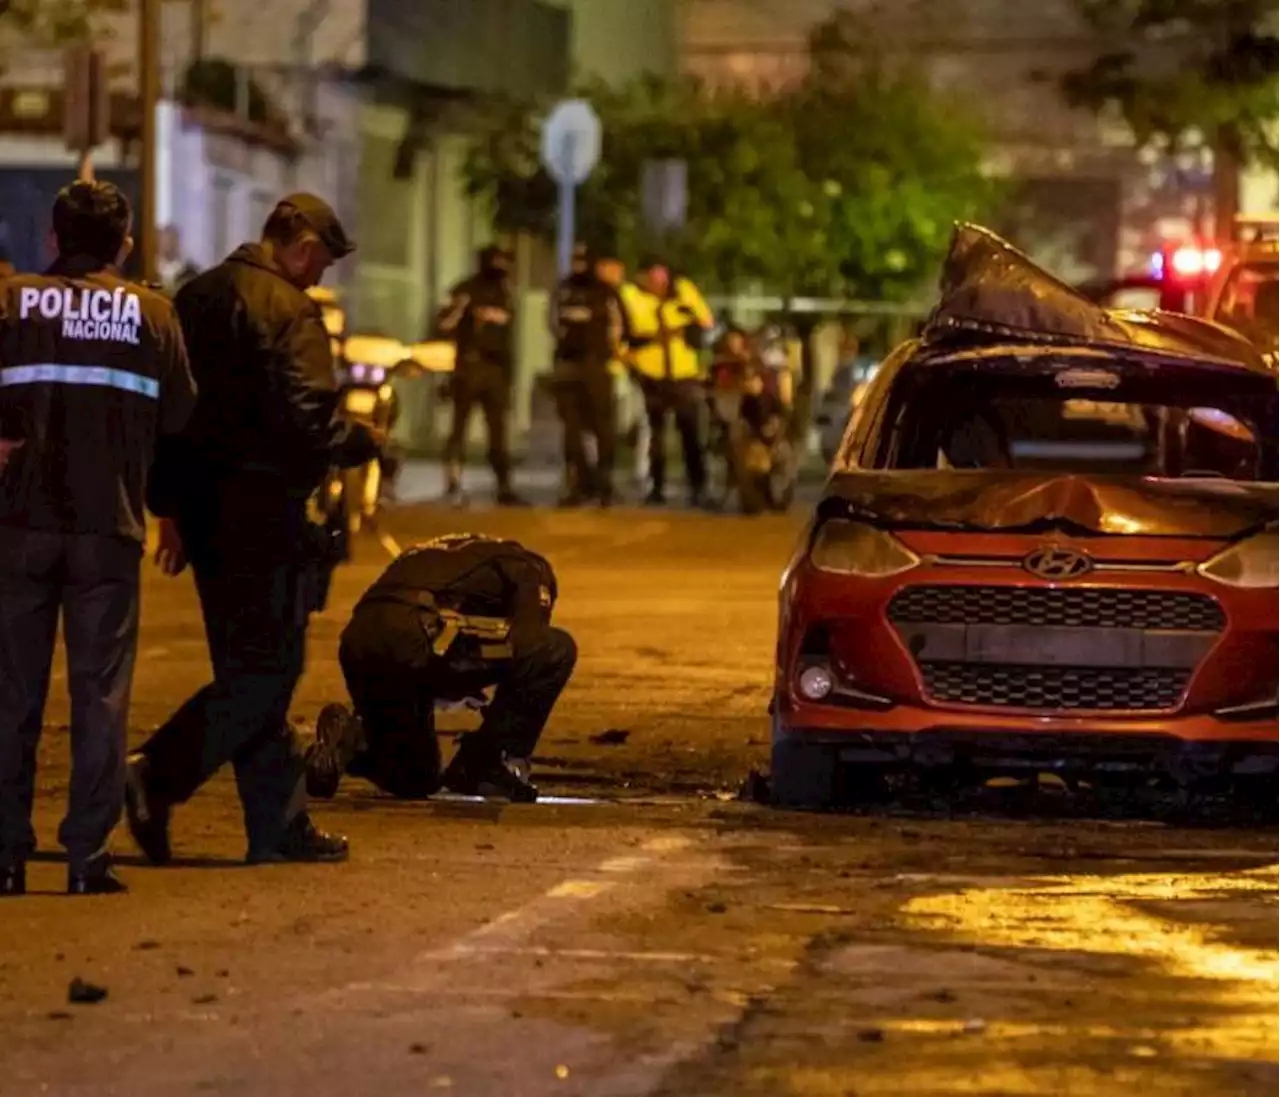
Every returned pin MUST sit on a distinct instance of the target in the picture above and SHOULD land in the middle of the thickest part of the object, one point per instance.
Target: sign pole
(568, 191)
(570, 149)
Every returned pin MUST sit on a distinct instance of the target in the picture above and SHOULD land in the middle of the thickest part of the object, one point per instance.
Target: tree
(838, 186)
(53, 23)
(1186, 72)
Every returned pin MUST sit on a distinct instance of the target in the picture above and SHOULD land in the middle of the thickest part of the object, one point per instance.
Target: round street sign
(571, 141)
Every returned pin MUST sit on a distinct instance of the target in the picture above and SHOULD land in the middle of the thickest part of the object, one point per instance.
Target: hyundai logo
(1057, 563)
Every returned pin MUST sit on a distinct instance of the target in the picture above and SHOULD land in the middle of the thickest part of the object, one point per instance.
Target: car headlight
(851, 548)
(1253, 563)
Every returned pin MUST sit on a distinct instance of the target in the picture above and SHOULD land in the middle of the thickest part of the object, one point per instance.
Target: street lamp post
(149, 96)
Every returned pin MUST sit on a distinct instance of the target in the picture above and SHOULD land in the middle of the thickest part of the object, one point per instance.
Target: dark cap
(319, 216)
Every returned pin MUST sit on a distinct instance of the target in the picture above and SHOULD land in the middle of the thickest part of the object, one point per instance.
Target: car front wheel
(803, 775)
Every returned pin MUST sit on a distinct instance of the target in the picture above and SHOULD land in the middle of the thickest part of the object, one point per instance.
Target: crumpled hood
(1118, 505)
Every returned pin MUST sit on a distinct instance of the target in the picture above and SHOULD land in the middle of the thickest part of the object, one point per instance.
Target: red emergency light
(1186, 262)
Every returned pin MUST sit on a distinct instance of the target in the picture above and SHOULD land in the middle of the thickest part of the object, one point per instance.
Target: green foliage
(53, 23)
(843, 185)
(1184, 68)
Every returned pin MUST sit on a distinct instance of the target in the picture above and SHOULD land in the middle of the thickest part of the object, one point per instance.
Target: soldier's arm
(449, 317)
(530, 600)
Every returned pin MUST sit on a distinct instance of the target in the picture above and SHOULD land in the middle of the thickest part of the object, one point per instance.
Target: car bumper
(923, 737)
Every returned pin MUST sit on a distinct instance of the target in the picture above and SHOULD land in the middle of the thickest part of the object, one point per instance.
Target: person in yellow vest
(667, 322)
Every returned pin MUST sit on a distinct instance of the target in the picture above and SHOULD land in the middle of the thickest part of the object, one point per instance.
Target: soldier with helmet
(588, 327)
(480, 318)
(463, 620)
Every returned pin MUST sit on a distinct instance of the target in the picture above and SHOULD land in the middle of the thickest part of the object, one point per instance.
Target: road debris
(611, 737)
(85, 994)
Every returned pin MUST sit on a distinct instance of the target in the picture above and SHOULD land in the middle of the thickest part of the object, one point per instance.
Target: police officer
(667, 320)
(480, 316)
(586, 321)
(445, 622)
(234, 492)
(92, 370)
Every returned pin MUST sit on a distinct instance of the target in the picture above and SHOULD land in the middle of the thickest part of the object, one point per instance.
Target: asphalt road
(655, 937)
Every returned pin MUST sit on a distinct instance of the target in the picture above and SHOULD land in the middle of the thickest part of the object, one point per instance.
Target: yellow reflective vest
(656, 330)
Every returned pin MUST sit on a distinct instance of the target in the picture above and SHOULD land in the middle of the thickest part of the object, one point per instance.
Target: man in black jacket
(234, 497)
(480, 317)
(92, 371)
(587, 324)
(446, 622)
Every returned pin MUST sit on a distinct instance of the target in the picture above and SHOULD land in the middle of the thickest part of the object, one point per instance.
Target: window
(1080, 414)
(223, 230)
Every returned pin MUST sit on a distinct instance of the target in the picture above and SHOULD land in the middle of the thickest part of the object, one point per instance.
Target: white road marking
(390, 544)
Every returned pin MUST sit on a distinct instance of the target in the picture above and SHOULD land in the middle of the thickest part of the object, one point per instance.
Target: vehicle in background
(839, 400)
(1049, 542)
(367, 366)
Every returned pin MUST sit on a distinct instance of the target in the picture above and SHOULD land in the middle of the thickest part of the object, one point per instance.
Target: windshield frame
(910, 381)
(1269, 269)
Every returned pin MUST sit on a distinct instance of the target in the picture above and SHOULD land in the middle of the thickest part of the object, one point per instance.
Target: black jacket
(92, 370)
(586, 320)
(474, 575)
(480, 316)
(266, 427)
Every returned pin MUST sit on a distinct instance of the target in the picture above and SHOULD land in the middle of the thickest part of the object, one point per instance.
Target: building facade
(1085, 202)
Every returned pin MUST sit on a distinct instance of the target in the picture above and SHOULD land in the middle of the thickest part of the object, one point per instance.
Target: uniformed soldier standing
(445, 622)
(92, 370)
(480, 316)
(587, 324)
(234, 491)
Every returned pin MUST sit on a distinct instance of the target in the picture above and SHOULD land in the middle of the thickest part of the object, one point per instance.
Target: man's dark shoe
(508, 498)
(573, 499)
(302, 842)
(655, 498)
(339, 737)
(13, 879)
(148, 818)
(95, 877)
(500, 779)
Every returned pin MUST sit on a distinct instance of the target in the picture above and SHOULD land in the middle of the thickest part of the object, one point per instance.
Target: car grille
(1046, 686)
(1091, 689)
(1083, 607)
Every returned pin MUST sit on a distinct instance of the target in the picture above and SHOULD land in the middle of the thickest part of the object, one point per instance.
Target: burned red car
(1049, 540)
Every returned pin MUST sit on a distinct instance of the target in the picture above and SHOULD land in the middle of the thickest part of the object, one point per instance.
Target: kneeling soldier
(447, 621)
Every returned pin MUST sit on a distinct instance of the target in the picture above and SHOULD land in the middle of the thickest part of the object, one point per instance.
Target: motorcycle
(350, 499)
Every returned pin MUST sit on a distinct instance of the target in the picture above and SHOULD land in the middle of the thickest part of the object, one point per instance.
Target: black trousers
(256, 623)
(584, 399)
(93, 582)
(681, 400)
(394, 681)
(488, 385)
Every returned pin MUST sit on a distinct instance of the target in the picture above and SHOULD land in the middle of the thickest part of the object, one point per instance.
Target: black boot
(302, 842)
(13, 879)
(492, 775)
(147, 816)
(507, 497)
(339, 738)
(95, 877)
